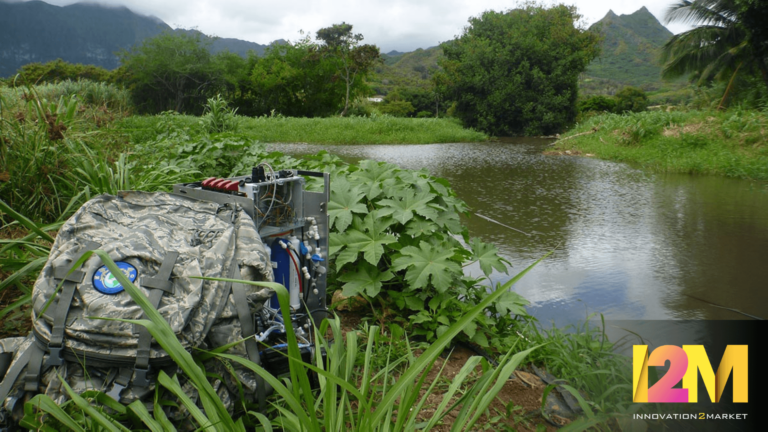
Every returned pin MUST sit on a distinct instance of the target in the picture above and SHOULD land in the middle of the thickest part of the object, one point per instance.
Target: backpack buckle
(55, 358)
(140, 377)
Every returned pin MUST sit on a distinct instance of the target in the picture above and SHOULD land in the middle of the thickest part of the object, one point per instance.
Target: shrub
(598, 104)
(631, 99)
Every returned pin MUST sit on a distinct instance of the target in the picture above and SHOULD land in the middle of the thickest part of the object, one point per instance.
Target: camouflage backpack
(161, 242)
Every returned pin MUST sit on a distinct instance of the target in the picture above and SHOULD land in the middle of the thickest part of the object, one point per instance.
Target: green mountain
(411, 69)
(85, 33)
(630, 49)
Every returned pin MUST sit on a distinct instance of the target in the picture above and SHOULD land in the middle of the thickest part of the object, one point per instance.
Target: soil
(521, 394)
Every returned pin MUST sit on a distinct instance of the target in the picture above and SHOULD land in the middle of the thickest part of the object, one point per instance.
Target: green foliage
(598, 104)
(353, 61)
(730, 38)
(729, 143)
(375, 129)
(295, 80)
(630, 50)
(398, 108)
(383, 400)
(172, 71)
(59, 70)
(516, 72)
(218, 117)
(413, 70)
(411, 102)
(631, 99)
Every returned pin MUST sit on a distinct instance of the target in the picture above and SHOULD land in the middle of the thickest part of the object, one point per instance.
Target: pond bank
(380, 129)
(731, 143)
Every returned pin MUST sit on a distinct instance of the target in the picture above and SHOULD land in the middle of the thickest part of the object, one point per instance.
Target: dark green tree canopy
(631, 99)
(295, 80)
(173, 71)
(516, 72)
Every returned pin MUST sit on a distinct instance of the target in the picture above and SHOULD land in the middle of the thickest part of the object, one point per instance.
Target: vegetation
(516, 73)
(630, 49)
(628, 99)
(294, 80)
(730, 143)
(353, 61)
(59, 70)
(730, 39)
(376, 129)
(173, 72)
(387, 219)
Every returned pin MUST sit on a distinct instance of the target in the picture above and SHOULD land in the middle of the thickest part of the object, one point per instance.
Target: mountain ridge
(630, 46)
(87, 33)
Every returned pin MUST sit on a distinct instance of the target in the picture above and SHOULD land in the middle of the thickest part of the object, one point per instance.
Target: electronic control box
(293, 224)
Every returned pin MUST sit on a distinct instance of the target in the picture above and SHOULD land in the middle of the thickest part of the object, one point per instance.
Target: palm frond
(720, 13)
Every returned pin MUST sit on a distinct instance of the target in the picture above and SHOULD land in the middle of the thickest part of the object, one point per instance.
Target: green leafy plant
(218, 117)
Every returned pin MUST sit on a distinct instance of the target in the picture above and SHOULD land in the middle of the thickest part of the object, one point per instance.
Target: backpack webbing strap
(69, 286)
(5, 361)
(159, 284)
(13, 373)
(248, 330)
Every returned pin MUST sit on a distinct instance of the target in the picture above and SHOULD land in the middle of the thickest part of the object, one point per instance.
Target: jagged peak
(642, 11)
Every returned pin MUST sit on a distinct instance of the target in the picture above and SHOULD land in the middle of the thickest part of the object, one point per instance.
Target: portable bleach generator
(293, 224)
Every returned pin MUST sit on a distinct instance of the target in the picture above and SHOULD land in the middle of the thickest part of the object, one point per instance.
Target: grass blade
(24, 221)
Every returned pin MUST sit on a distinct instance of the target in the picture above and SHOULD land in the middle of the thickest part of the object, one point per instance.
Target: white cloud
(392, 24)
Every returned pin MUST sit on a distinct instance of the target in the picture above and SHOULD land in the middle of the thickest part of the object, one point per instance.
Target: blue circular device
(106, 283)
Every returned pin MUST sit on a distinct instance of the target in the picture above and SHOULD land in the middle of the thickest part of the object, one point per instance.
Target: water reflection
(629, 244)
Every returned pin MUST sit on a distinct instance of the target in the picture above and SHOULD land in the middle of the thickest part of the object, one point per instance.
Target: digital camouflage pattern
(140, 229)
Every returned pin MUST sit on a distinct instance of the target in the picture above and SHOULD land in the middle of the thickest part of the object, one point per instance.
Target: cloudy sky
(391, 24)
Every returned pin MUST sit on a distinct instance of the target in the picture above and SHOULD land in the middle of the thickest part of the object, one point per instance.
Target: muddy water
(628, 243)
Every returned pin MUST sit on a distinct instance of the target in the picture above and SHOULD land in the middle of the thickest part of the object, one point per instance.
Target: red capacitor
(232, 186)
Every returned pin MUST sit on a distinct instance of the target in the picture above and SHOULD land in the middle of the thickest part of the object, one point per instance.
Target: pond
(628, 243)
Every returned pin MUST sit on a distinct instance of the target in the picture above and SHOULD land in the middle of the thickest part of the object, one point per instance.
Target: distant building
(376, 98)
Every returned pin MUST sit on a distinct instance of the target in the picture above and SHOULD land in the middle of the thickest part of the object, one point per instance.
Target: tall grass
(731, 143)
(377, 129)
(88, 92)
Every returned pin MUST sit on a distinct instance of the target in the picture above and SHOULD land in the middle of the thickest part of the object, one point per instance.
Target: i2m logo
(686, 363)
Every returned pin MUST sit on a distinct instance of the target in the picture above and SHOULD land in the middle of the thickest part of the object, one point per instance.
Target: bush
(598, 104)
(516, 72)
(631, 99)
(397, 108)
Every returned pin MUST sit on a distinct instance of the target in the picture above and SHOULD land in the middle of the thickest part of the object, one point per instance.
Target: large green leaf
(488, 257)
(365, 279)
(345, 200)
(511, 302)
(406, 204)
(371, 176)
(367, 236)
(427, 262)
(419, 226)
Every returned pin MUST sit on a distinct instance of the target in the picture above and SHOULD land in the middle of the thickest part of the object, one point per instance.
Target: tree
(630, 99)
(354, 60)
(516, 72)
(731, 36)
(172, 71)
(295, 80)
(598, 103)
